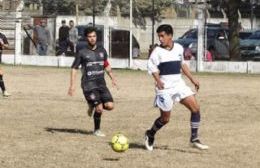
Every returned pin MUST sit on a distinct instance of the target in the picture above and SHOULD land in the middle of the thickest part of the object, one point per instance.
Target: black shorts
(98, 96)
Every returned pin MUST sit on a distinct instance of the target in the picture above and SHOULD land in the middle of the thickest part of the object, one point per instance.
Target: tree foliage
(86, 6)
(141, 8)
(59, 7)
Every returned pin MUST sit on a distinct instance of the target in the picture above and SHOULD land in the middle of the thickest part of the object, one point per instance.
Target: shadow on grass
(112, 159)
(67, 130)
(193, 151)
(134, 145)
(163, 147)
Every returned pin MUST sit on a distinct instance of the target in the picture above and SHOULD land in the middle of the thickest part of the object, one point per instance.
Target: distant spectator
(63, 38)
(73, 36)
(42, 37)
(221, 47)
(188, 54)
(209, 54)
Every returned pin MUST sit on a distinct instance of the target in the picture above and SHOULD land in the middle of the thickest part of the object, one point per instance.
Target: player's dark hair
(63, 21)
(165, 28)
(89, 30)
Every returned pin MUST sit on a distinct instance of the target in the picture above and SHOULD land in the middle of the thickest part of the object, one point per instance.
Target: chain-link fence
(7, 27)
(54, 29)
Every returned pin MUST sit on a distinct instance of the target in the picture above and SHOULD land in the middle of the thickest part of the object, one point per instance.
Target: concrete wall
(237, 67)
(227, 67)
(246, 24)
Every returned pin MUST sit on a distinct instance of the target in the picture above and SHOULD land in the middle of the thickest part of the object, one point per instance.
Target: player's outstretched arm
(3, 44)
(159, 83)
(186, 72)
(72, 86)
(109, 72)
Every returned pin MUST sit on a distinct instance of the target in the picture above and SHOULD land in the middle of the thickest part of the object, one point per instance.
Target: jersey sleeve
(153, 62)
(77, 61)
(106, 63)
(4, 39)
(105, 54)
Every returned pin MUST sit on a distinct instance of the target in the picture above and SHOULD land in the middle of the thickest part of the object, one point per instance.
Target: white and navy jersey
(168, 63)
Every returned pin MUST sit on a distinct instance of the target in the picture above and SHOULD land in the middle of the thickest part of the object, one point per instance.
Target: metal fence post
(201, 36)
(131, 34)
(18, 38)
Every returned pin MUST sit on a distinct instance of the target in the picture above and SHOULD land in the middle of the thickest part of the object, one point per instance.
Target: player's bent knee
(165, 117)
(99, 109)
(165, 120)
(196, 109)
(109, 106)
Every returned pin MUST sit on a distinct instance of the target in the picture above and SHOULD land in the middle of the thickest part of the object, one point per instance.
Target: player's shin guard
(195, 122)
(158, 124)
(97, 120)
(2, 84)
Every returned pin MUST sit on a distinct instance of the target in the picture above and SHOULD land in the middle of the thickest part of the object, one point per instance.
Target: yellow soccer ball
(119, 143)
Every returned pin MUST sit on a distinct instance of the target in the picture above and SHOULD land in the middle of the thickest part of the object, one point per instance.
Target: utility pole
(201, 34)
(153, 22)
(77, 12)
(131, 35)
(252, 4)
(93, 11)
(18, 33)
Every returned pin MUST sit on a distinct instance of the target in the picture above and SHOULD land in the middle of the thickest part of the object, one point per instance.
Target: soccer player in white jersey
(165, 64)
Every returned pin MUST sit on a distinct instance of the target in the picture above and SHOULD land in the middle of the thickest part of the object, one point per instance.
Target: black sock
(2, 84)
(97, 120)
(194, 122)
(158, 124)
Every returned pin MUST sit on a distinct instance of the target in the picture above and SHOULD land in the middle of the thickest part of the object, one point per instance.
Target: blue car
(217, 38)
(250, 47)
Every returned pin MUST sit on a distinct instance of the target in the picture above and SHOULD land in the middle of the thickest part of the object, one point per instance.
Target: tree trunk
(234, 41)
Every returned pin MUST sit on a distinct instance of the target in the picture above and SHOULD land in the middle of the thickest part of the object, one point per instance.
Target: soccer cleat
(195, 143)
(148, 141)
(99, 133)
(6, 94)
(90, 110)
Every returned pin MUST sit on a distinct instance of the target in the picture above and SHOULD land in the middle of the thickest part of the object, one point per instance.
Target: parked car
(120, 44)
(119, 41)
(217, 37)
(244, 35)
(250, 47)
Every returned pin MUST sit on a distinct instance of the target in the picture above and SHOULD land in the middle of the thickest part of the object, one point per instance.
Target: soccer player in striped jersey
(165, 64)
